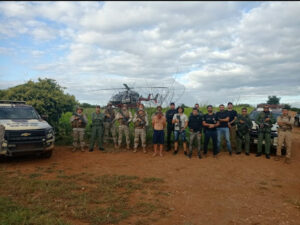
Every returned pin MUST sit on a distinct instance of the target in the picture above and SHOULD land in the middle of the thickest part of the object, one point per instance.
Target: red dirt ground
(236, 190)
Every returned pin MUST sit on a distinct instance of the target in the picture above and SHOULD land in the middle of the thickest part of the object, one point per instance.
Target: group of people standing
(227, 123)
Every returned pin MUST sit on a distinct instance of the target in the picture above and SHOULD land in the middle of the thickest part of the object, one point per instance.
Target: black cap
(172, 103)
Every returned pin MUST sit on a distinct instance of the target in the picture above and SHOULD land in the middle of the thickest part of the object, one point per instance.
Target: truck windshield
(254, 114)
(18, 113)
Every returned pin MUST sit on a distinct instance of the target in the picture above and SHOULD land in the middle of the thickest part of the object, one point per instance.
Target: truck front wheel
(46, 154)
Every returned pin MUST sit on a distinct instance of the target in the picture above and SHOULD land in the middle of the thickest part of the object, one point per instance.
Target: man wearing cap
(109, 124)
(170, 126)
(232, 124)
(140, 121)
(285, 123)
(265, 121)
(124, 117)
(78, 122)
(97, 129)
(197, 106)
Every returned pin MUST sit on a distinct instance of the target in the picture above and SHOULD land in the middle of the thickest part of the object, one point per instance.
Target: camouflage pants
(110, 128)
(97, 134)
(139, 132)
(239, 142)
(284, 136)
(2, 131)
(78, 133)
(124, 129)
(233, 139)
(264, 136)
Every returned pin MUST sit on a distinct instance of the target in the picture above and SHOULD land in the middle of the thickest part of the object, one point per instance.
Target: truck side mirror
(45, 116)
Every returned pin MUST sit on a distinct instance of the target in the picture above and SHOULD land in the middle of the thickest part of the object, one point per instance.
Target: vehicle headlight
(49, 133)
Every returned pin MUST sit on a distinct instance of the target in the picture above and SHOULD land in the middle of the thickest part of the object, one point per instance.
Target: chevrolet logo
(25, 134)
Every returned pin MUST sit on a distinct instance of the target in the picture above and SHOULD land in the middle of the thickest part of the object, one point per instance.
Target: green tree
(273, 100)
(45, 95)
(287, 106)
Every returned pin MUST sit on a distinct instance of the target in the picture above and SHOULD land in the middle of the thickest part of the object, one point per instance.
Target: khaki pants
(284, 136)
(110, 128)
(139, 132)
(193, 136)
(125, 129)
(78, 133)
(232, 132)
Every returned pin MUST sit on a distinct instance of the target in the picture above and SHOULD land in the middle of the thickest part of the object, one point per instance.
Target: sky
(204, 52)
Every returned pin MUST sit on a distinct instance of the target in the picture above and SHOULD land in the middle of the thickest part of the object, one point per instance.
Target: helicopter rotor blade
(151, 87)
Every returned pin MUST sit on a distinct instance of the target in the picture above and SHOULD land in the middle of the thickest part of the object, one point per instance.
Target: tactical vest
(140, 124)
(285, 127)
(124, 120)
(97, 119)
(111, 112)
(78, 124)
(243, 127)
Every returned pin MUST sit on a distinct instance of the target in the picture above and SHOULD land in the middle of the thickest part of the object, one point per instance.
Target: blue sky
(206, 52)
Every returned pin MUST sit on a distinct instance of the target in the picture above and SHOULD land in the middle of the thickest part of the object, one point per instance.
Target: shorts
(158, 137)
(178, 133)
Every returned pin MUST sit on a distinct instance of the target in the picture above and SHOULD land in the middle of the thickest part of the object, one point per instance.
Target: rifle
(179, 121)
(80, 117)
(239, 127)
(124, 119)
(143, 122)
(265, 124)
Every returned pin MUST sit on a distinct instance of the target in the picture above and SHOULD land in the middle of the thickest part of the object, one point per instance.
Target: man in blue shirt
(223, 129)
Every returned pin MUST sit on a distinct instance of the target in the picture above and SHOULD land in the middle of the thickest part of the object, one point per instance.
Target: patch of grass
(12, 213)
(34, 175)
(152, 180)
(106, 199)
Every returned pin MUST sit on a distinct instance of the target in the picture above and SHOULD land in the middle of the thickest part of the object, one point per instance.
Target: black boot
(101, 148)
(267, 156)
(185, 153)
(175, 152)
(238, 153)
(190, 155)
(90, 150)
(258, 154)
(247, 153)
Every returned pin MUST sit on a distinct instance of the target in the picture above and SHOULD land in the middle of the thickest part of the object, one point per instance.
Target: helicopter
(129, 97)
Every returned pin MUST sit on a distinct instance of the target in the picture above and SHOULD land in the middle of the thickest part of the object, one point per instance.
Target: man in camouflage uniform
(109, 124)
(97, 129)
(124, 117)
(78, 122)
(285, 123)
(244, 124)
(265, 121)
(140, 121)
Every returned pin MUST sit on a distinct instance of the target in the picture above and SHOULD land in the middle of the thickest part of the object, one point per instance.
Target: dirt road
(236, 189)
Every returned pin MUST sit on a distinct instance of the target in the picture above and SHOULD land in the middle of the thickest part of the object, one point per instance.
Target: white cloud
(222, 50)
